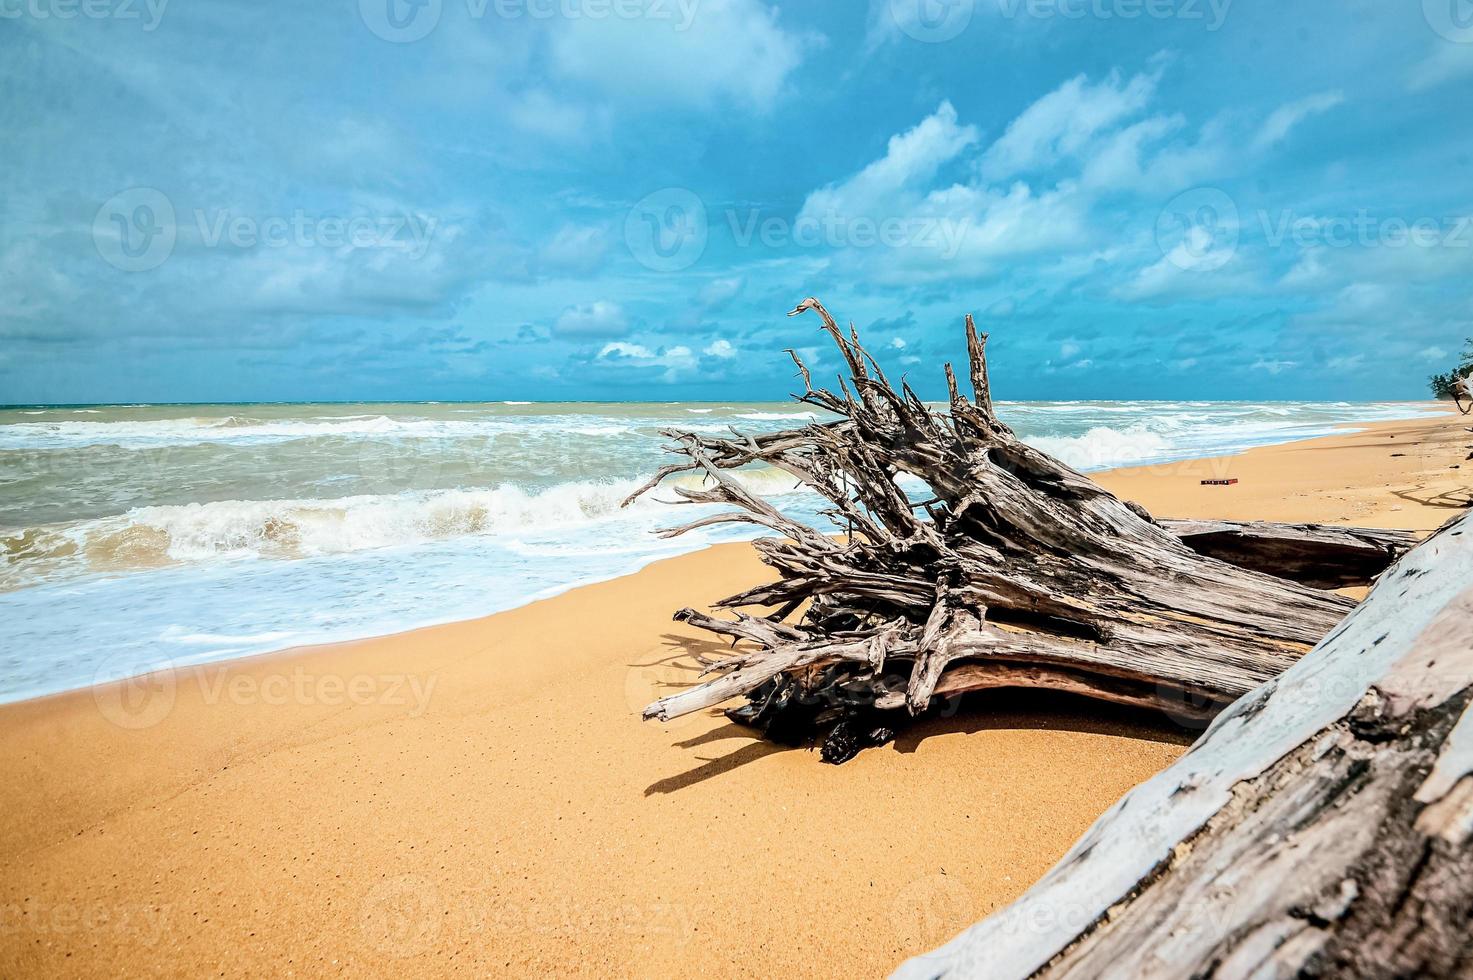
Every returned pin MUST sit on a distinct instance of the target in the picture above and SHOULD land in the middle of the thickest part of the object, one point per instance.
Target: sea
(143, 536)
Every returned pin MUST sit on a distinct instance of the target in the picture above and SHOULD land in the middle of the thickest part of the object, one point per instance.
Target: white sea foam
(1104, 446)
(777, 416)
(401, 516)
(149, 537)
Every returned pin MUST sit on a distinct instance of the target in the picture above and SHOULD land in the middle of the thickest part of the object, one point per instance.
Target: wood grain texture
(1318, 828)
(972, 560)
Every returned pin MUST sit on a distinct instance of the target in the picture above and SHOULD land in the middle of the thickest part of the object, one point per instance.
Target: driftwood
(971, 560)
(1322, 555)
(1319, 828)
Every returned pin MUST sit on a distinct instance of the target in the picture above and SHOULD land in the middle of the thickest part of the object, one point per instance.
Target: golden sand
(481, 798)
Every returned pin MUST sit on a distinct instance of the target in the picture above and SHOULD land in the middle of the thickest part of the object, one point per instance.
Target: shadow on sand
(998, 710)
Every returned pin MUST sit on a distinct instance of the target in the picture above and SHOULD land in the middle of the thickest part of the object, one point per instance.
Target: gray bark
(1010, 569)
(1320, 826)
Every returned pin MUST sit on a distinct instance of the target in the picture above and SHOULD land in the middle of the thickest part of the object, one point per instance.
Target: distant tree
(1442, 384)
(1448, 385)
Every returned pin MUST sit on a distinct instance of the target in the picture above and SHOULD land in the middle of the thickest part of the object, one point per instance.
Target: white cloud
(720, 348)
(911, 158)
(1432, 354)
(718, 292)
(597, 319)
(690, 53)
(619, 348)
(541, 113)
(675, 360)
(575, 249)
(1195, 267)
(1272, 367)
(1310, 271)
(1063, 122)
(1286, 117)
(1030, 192)
(1446, 63)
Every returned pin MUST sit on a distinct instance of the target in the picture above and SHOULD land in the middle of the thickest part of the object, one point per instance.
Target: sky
(358, 200)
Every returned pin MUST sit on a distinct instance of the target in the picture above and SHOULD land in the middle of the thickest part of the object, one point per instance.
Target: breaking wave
(151, 537)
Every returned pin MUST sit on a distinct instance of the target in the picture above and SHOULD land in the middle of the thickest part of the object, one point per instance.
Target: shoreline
(482, 795)
(1152, 469)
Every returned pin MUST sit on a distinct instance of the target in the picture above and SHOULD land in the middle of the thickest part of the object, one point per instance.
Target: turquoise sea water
(139, 536)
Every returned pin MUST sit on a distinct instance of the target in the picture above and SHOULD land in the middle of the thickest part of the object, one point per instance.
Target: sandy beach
(482, 798)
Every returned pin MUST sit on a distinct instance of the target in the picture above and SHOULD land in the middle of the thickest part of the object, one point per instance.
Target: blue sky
(619, 199)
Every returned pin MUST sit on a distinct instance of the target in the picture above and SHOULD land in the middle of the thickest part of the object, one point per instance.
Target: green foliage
(1443, 385)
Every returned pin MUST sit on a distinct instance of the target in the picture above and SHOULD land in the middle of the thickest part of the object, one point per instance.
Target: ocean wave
(777, 416)
(236, 429)
(1103, 446)
(600, 430)
(151, 537)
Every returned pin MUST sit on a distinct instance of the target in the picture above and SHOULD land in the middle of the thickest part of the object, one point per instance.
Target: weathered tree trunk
(1321, 555)
(1319, 828)
(972, 560)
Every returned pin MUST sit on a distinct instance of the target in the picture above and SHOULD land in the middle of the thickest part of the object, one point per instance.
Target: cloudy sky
(207, 200)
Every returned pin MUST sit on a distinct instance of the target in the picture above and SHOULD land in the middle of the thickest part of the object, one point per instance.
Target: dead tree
(970, 560)
(1319, 828)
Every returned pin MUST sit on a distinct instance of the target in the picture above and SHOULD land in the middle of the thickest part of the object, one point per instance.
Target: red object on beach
(1219, 483)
